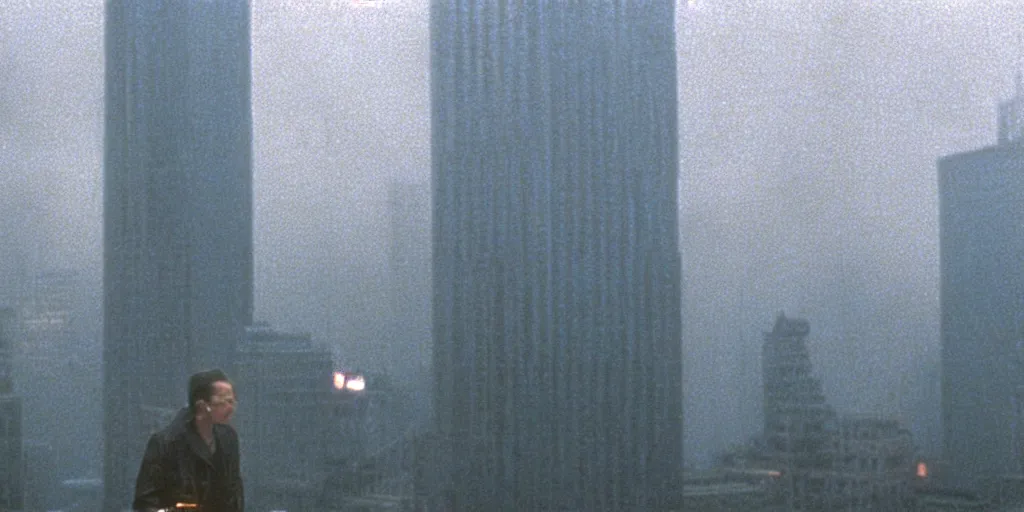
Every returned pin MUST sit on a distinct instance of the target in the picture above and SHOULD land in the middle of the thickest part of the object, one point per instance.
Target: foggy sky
(809, 133)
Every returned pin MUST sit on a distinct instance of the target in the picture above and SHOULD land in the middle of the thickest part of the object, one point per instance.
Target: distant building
(873, 465)
(825, 462)
(408, 354)
(981, 240)
(284, 384)
(557, 343)
(81, 494)
(178, 260)
(8, 344)
(47, 315)
(1011, 115)
(41, 473)
(374, 452)
(12, 478)
(315, 436)
(730, 490)
(58, 373)
(799, 424)
(949, 500)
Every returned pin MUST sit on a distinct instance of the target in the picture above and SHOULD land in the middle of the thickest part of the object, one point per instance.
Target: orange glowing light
(339, 380)
(922, 470)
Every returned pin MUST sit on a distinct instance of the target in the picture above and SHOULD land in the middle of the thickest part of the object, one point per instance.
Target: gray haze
(809, 134)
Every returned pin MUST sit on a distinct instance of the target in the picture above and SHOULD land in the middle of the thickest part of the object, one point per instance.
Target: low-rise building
(826, 462)
(874, 465)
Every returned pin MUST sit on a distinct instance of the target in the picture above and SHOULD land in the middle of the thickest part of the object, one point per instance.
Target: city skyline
(911, 83)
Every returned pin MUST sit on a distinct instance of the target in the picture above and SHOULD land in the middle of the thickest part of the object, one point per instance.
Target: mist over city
(809, 135)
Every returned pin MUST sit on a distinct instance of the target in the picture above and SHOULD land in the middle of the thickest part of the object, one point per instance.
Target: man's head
(211, 394)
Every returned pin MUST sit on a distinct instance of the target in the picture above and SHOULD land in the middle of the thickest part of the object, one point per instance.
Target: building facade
(47, 315)
(12, 477)
(874, 465)
(8, 349)
(286, 384)
(825, 461)
(799, 423)
(55, 352)
(408, 351)
(556, 267)
(177, 210)
(981, 243)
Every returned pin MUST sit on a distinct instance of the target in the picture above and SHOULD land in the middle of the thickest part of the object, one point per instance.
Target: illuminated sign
(349, 382)
(356, 383)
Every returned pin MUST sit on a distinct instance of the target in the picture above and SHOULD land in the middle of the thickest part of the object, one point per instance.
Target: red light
(922, 470)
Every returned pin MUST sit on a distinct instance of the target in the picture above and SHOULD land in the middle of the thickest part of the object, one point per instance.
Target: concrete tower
(177, 210)
(556, 268)
(981, 243)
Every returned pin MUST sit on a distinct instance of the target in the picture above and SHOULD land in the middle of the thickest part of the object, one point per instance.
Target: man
(195, 459)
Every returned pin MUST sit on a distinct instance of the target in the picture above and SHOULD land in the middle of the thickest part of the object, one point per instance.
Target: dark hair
(200, 385)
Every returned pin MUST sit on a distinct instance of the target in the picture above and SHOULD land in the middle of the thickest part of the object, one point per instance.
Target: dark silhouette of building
(798, 421)
(54, 353)
(981, 240)
(8, 321)
(408, 352)
(556, 268)
(12, 478)
(823, 461)
(47, 315)
(287, 384)
(177, 210)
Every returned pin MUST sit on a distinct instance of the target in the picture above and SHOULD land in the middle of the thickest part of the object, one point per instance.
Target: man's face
(222, 402)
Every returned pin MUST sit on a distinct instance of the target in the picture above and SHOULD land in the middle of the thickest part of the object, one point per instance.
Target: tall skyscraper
(981, 243)
(177, 210)
(556, 268)
(408, 353)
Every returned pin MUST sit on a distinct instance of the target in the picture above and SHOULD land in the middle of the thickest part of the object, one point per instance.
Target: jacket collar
(184, 425)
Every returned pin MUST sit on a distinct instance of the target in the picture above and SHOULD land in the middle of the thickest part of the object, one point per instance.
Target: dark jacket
(178, 467)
